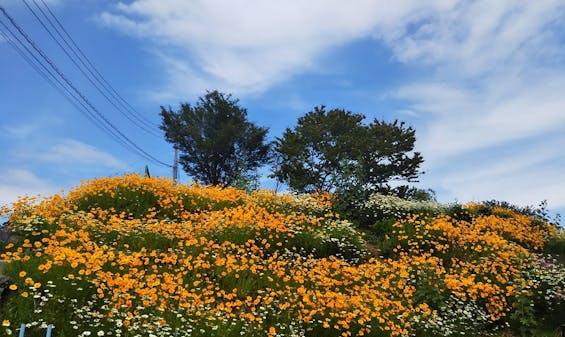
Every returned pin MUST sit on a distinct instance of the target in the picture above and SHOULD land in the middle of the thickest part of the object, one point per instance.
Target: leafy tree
(316, 155)
(413, 193)
(218, 145)
(387, 155)
(334, 151)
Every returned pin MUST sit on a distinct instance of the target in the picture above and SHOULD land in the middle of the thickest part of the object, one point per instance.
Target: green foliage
(556, 246)
(523, 317)
(413, 193)
(387, 155)
(218, 145)
(133, 201)
(380, 229)
(248, 182)
(540, 212)
(319, 153)
(382, 208)
(334, 151)
(548, 296)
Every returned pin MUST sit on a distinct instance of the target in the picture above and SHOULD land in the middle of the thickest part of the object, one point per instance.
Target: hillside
(135, 256)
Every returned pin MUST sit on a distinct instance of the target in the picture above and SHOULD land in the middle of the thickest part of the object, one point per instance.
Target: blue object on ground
(23, 330)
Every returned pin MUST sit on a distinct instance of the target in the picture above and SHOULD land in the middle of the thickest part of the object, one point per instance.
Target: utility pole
(176, 165)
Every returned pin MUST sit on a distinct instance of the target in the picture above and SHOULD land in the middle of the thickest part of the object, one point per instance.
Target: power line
(125, 102)
(45, 73)
(92, 78)
(113, 130)
(125, 113)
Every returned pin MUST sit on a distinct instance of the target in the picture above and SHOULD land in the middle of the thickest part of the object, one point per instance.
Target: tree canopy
(334, 150)
(218, 145)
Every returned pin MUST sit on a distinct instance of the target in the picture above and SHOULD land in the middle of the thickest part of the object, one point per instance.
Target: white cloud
(463, 119)
(518, 185)
(64, 153)
(492, 108)
(246, 45)
(20, 131)
(481, 37)
(69, 151)
(60, 165)
(44, 121)
(15, 183)
(525, 174)
(183, 79)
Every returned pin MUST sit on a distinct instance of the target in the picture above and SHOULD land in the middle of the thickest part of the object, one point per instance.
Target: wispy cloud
(53, 154)
(33, 168)
(248, 46)
(482, 37)
(518, 185)
(525, 174)
(493, 104)
(70, 151)
(19, 131)
(15, 183)
(467, 119)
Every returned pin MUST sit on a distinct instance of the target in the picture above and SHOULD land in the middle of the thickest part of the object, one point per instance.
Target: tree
(314, 156)
(218, 145)
(334, 151)
(387, 155)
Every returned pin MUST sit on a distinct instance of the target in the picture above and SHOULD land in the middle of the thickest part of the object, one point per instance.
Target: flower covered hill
(135, 256)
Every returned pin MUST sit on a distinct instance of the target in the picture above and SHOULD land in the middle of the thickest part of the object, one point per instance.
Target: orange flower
(272, 331)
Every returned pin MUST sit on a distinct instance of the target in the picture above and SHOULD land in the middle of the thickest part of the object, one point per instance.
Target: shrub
(380, 207)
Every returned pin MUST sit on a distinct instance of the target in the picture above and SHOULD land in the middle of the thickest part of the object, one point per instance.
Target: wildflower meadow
(140, 256)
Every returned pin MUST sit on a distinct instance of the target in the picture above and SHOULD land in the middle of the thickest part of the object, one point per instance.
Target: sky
(482, 83)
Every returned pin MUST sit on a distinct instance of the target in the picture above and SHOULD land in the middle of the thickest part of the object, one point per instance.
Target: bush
(556, 246)
(380, 207)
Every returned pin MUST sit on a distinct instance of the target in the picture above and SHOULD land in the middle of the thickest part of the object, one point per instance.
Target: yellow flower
(13, 287)
(5, 322)
(25, 294)
(23, 273)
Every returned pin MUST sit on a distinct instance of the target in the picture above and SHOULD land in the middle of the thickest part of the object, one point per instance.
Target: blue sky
(482, 82)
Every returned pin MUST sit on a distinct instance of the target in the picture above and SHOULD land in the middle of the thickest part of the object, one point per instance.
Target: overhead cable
(108, 126)
(87, 72)
(90, 63)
